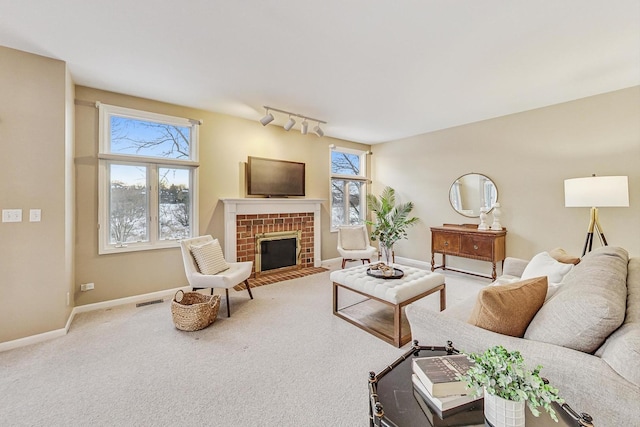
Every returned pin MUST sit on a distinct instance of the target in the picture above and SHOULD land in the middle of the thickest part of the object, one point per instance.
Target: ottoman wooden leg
(443, 297)
(397, 325)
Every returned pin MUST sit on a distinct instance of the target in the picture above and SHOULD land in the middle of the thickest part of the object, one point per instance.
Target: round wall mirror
(471, 192)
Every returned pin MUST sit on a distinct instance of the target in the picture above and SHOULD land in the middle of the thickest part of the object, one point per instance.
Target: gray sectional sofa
(586, 335)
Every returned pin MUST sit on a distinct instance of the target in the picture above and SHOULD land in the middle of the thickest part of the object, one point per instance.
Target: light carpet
(282, 359)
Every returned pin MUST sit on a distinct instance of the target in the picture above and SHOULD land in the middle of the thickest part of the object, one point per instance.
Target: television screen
(270, 177)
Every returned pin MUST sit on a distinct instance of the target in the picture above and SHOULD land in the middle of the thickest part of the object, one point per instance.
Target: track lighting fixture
(304, 126)
(318, 131)
(268, 118)
(290, 123)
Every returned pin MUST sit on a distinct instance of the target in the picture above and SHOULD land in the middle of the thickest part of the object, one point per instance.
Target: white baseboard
(337, 262)
(57, 333)
(424, 265)
(129, 300)
(33, 339)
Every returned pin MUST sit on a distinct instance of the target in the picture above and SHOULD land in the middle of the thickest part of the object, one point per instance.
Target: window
(348, 187)
(148, 178)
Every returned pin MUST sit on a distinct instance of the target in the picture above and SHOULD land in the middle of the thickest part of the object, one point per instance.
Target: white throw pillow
(507, 280)
(544, 265)
(352, 238)
(209, 257)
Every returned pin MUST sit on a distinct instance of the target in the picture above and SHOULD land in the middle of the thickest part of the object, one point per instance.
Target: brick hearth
(247, 226)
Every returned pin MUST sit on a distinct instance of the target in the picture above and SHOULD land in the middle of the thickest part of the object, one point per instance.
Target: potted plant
(503, 375)
(391, 221)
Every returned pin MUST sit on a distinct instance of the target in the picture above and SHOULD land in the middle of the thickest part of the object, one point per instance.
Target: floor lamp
(594, 192)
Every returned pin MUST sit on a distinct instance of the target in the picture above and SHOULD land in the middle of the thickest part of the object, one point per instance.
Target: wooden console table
(465, 240)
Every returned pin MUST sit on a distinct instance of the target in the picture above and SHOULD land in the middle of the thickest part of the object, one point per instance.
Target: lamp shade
(596, 191)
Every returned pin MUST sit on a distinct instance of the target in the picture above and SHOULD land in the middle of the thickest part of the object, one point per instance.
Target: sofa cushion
(589, 305)
(209, 257)
(622, 349)
(562, 256)
(352, 238)
(544, 265)
(508, 309)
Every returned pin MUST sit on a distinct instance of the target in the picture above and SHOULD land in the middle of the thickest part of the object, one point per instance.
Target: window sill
(137, 247)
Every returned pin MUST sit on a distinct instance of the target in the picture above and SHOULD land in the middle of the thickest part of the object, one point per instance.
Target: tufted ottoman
(396, 293)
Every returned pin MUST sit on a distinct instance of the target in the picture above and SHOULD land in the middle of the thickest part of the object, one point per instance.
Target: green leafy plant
(391, 221)
(503, 373)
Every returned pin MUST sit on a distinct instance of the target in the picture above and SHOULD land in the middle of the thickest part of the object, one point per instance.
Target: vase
(386, 253)
(501, 412)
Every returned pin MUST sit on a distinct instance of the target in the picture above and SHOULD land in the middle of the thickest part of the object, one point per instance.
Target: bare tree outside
(346, 194)
(144, 138)
(128, 199)
(128, 213)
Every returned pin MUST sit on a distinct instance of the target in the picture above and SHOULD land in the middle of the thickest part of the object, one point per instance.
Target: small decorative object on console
(483, 219)
(497, 213)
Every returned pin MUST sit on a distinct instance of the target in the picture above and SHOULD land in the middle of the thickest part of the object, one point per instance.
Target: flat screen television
(274, 178)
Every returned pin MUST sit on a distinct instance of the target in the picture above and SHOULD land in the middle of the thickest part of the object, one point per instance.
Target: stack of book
(442, 396)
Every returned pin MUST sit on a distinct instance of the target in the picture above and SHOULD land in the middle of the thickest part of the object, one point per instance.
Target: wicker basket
(194, 311)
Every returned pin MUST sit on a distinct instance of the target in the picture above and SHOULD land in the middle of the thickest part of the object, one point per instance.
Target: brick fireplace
(245, 218)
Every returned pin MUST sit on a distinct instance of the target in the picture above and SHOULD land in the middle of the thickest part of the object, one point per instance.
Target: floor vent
(155, 301)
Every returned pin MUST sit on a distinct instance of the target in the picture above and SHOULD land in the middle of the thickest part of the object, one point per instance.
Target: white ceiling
(374, 70)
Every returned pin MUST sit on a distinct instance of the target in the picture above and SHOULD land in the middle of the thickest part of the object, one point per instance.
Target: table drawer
(445, 242)
(477, 246)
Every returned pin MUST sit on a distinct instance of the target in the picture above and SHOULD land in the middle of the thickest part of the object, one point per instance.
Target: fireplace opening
(277, 251)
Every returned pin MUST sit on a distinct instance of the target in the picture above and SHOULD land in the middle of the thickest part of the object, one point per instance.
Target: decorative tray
(379, 274)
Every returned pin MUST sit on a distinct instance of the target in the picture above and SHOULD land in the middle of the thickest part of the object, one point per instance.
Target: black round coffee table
(393, 404)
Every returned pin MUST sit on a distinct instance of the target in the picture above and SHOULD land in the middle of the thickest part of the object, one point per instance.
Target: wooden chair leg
(246, 283)
(344, 261)
(228, 308)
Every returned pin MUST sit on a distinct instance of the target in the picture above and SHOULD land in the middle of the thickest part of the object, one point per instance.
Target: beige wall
(225, 143)
(36, 270)
(528, 156)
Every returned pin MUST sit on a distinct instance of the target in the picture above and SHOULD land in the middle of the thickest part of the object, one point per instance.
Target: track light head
(304, 126)
(290, 123)
(268, 118)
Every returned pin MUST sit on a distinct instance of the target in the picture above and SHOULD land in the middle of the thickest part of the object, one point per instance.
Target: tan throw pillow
(562, 256)
(209, 257)
(508, 309)
(352, 238)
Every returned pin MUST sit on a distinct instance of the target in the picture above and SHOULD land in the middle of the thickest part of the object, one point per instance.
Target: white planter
(501, 412)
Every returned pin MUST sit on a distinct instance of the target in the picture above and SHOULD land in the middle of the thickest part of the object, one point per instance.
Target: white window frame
(362, 177)
(152, 164)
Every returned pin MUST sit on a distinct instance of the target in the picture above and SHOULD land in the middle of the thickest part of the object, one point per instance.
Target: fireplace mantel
(257, 206)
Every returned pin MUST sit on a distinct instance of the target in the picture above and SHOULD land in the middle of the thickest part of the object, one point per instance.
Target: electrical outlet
(87, 286)
(11, 215)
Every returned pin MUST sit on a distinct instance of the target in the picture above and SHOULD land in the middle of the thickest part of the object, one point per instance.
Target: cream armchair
(353, 244)
(232, 274)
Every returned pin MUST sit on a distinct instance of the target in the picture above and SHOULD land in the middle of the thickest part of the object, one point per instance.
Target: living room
(52, 165)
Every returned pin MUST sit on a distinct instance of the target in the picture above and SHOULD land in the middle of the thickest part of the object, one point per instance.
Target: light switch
(11, 215)
(35, 215)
